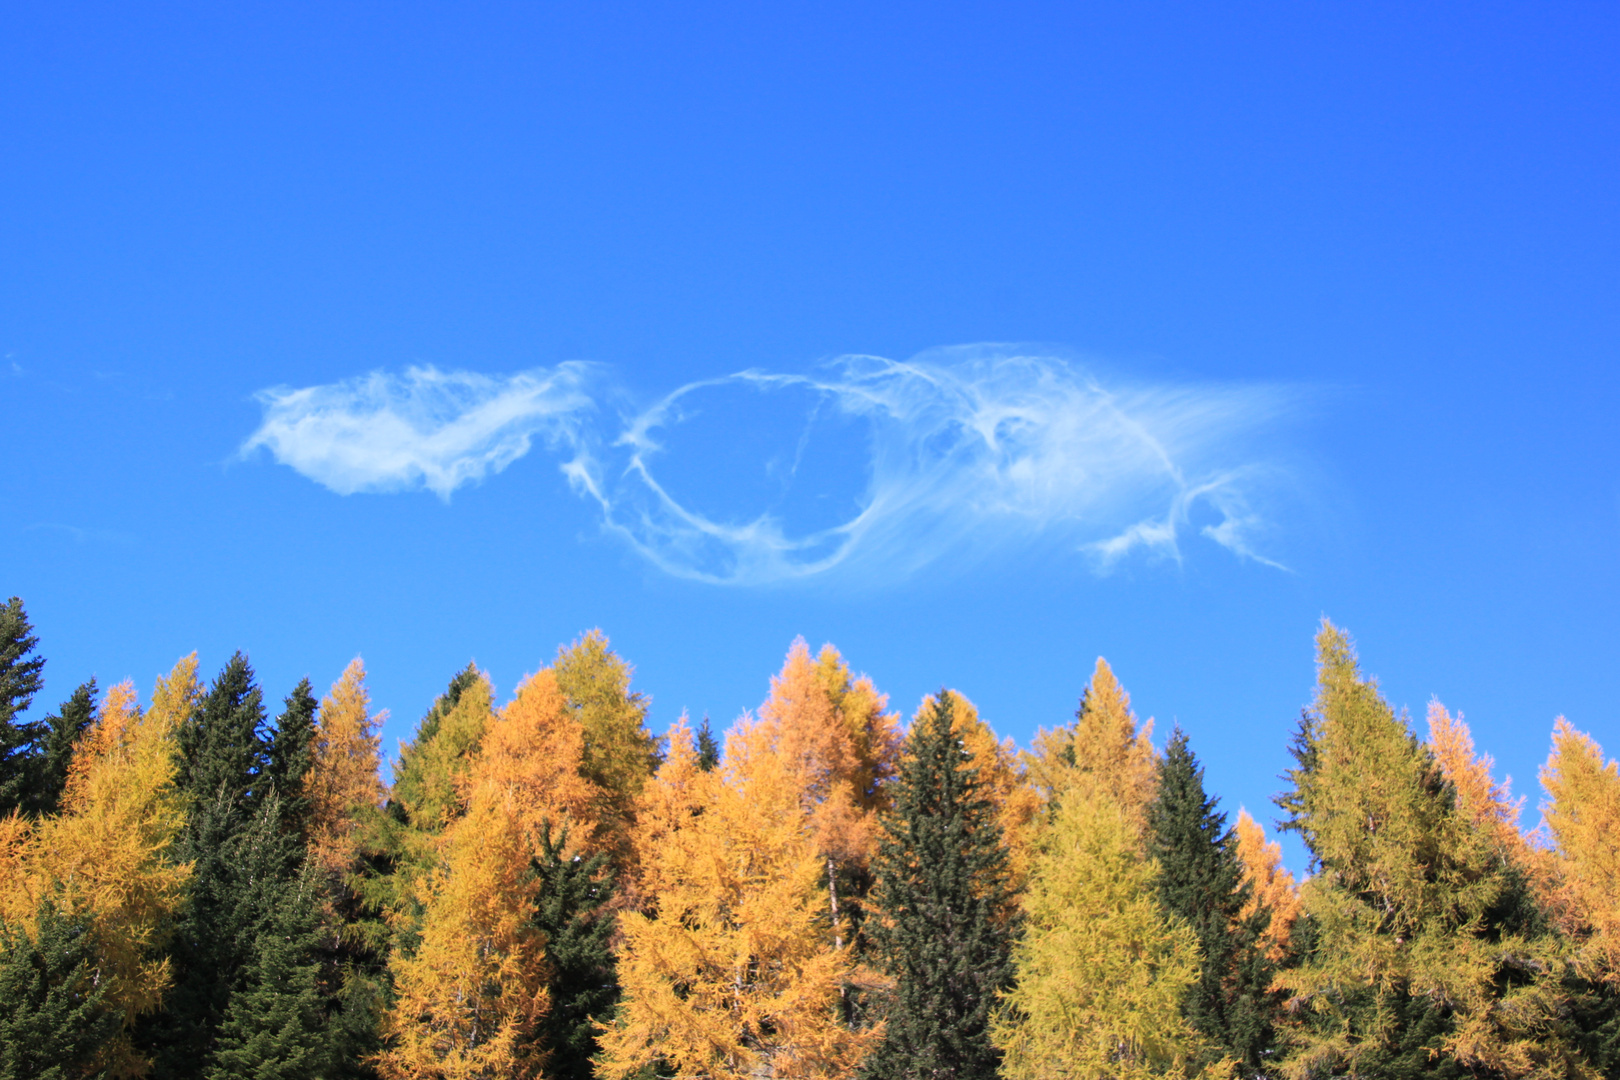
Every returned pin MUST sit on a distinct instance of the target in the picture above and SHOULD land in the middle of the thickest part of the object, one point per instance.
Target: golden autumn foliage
(828, 737)
(1102, 969)
(107, 856)
(1583, 815)
(619, 753)
(473, 990)
(342, 784)
(728, 973)
(469, 996)
(1481, 799)
(530, 755)
(1271, 885)
(1105, 747)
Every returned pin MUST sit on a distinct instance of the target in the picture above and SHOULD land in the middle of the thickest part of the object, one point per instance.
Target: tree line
(196, 888)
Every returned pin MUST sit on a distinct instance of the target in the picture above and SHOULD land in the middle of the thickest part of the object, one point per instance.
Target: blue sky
(979, 341)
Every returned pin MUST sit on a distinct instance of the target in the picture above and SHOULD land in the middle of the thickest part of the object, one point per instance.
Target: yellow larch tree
(469, 995)
(1105, 747)
(472, 992)
(1270, 884)
(1102, 969)
(1583, 815)
(728, 973)
(531, 754)
(619, 753)
(1481, 799)
(874, 733)
(828, 736)
(342, 785)
(107, 857)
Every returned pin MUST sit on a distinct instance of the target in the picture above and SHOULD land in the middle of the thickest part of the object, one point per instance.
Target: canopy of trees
(191, 887)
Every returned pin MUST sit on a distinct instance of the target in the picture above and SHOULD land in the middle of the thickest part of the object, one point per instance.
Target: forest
(204, 883)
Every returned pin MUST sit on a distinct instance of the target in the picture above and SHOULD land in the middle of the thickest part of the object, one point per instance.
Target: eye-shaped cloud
(956, 453)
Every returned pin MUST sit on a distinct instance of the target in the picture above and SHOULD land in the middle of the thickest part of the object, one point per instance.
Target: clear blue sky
(335, 329)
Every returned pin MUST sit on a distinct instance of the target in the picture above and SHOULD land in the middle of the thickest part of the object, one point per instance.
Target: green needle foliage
(942, 891)
(20, 680)
(1200, 881)
(1426, 955)
(52, 1023)
(584, 984)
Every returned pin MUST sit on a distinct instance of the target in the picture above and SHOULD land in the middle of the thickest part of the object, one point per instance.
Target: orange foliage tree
(1271, 885)
(342, 784)
(728, 973)
(107, 857)
(828, 736)
(1583, 815)
(472, 991)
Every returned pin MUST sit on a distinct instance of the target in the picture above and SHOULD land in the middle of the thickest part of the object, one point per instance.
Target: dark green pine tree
(942, 886)
(51, 1021)
(288, 755)
(273, 1026)
(63, 729)
(20, 680)
(1201, 880)
(708, 747)
(584, 984)
(221, 756)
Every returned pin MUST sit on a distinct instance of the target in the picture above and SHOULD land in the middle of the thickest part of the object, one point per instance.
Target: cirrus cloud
(956, 453)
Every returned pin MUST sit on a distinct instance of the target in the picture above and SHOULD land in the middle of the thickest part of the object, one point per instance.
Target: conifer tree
(342, 784)
(829, 735)
(728, 972)
(20, 680)
(222, 755)
(1003, 777)
(469, 996)
(941, 885)
(289, 754)
(1104, 746)
(708, 748)
(1102, 969)
(1583, 815)
(272, 1025)
(53, 1023)
(344, 795)
(1200, 881)
(400, 839)
(108, 859)
(574, 915)
(1425, 951)
(619, 752)
(63, 729)
(1271, 886)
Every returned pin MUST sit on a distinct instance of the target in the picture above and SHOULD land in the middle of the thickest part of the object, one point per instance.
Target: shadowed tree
(942, 882)
(1200, 881)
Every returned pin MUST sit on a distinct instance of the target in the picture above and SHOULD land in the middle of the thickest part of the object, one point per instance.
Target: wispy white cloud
(423, 429)
(962, 453)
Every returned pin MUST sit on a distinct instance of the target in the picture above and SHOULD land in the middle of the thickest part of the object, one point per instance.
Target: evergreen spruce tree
(941, 876)
(272, 1027)
(20, 680)
(1200, 880)
(63, 729)
(708, 748)
(573, 912)
(52, 1020)
(288, 756)
(221, 753)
